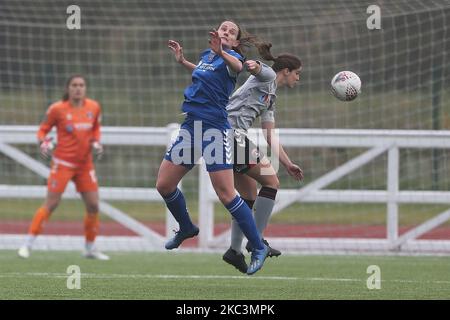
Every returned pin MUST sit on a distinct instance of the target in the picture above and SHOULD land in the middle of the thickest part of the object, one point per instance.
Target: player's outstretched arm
(261, 71)
(252, 66)
(179, 57)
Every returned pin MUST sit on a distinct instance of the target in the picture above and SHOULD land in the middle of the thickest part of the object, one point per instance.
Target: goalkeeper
(255, 98)
(77, 121)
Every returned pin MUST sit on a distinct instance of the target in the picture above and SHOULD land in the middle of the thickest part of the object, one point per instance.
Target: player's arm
(96, 126)
(47, 124)
(215, 44)
(261, 71)
(232, 62)
(179, 57)
(272, 140)
(96, 145)
(45, 143)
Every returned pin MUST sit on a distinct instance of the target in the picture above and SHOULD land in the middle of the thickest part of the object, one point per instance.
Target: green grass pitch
(204, 276)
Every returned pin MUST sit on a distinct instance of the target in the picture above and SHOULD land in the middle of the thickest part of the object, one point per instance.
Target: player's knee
(270, 182)
(92, 208)
(52, 205)
(164, 188)
(225, 196)
(273, 183)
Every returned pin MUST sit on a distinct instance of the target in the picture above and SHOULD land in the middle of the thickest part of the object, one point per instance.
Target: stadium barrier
(377, 142)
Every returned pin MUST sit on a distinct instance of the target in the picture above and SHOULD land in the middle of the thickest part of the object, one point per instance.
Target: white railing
(376, 141)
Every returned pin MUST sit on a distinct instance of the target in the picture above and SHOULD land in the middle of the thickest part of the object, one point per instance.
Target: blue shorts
(213, 142)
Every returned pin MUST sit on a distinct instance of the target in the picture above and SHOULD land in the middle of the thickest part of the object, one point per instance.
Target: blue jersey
(212, 84)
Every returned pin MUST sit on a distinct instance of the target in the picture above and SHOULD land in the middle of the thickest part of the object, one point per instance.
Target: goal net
(355, 196)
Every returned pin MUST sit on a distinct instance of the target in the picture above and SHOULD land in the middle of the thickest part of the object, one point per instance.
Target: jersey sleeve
(266, 73)
(268, 115)
(236, 55)
(48, 122)
(239, 57)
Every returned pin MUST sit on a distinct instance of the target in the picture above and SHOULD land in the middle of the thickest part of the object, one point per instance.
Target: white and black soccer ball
(346, 85)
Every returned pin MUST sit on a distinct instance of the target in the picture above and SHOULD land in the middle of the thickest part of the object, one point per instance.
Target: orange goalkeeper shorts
(84, 177)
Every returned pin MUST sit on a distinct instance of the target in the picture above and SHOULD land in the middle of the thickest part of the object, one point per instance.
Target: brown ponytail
(283, 61)
(264, 50)
(246, 40)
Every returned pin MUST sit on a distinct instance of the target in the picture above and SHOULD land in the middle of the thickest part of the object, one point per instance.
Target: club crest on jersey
(69, 128)
(90, 115)
(265, 98)
(69, 116)
(211, 56)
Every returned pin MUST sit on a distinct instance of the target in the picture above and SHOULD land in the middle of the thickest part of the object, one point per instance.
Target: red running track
(274, 230)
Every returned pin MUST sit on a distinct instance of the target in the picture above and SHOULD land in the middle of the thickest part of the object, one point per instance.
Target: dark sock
(177, 206)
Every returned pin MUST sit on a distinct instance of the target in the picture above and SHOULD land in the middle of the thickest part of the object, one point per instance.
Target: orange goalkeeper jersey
(76, 129)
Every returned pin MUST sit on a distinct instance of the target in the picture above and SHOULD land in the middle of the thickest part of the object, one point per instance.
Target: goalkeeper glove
(46, 148)
(98, 149)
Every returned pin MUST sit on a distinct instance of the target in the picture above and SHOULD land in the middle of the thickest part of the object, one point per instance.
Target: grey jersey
(254, 98)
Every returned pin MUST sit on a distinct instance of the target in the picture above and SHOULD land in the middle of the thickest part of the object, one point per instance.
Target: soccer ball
(346, 85)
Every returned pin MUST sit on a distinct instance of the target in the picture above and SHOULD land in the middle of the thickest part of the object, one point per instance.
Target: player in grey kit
(255, 98)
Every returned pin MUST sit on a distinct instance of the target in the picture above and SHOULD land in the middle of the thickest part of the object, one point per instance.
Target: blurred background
(122, 51)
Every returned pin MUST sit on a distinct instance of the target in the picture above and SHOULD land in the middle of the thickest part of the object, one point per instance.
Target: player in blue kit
(206, 133)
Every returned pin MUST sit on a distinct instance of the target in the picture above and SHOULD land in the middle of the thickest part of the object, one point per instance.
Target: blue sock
(243, 216)
(177, 205)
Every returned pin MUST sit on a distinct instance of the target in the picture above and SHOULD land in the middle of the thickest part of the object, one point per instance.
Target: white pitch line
(141, 276)
(203, 277)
